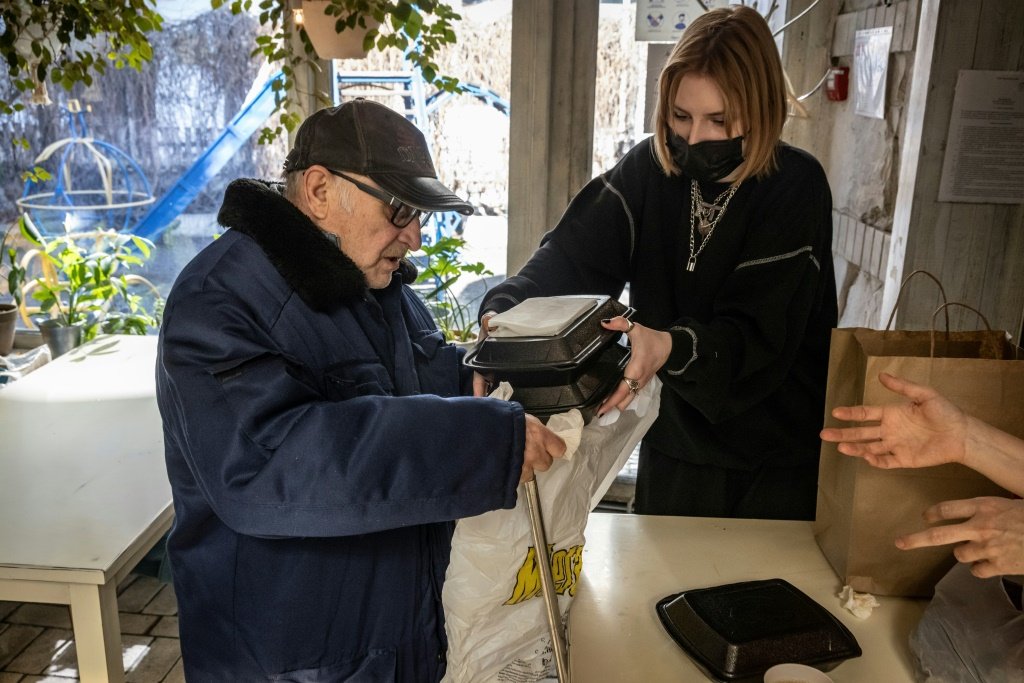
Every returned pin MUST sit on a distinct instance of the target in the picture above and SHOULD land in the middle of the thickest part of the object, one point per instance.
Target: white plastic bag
(970, 632)
(496, 621)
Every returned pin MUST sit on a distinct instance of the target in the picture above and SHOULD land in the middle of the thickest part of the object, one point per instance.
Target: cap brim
(426, 194)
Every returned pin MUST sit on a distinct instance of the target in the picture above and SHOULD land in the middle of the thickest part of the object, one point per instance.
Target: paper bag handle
(899, 295)
(945, 306)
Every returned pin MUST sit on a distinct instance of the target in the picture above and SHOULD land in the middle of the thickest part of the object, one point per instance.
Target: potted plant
(443, 268)
(84, 289)
(13, 274)
(328, 32)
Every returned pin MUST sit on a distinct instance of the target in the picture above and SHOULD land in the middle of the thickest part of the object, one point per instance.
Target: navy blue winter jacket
(319, 444)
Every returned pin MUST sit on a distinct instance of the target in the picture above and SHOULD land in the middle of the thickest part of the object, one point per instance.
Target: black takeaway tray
(556, 359)
(737, 631)
(584, 392)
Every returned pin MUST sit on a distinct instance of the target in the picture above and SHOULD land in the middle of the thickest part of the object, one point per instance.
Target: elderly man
(320, 435)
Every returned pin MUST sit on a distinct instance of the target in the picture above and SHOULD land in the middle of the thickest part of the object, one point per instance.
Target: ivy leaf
(402, 11)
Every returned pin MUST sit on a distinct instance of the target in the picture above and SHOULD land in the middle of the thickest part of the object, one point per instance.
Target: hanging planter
(30, 44)
(52, 40)
(327, 40)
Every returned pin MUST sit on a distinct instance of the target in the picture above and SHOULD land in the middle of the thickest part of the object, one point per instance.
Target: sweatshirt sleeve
(278, 452)
(746, 350)
(591, 249)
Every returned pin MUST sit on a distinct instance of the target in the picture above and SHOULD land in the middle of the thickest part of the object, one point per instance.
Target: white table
(83, 487)
(630, 562)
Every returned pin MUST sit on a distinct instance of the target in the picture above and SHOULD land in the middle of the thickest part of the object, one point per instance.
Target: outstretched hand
(991, 538)
(927, 430)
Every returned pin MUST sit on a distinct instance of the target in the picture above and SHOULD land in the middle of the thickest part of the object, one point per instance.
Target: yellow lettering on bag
(566, 566)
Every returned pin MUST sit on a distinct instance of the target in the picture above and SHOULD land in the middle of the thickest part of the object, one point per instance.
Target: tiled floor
(36, 643)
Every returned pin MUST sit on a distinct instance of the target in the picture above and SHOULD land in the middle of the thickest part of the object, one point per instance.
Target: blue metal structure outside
(417, 108)
(246, 122)
(485, 95)
(46, 208)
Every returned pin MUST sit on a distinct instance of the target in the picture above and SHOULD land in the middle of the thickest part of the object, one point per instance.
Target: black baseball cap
(371, 139)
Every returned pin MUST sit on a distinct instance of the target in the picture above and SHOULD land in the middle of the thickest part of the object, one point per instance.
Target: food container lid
(571, 344)
(738, 631)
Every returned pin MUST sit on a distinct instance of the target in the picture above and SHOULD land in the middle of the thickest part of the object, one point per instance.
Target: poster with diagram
(663, 21)
(870, 70)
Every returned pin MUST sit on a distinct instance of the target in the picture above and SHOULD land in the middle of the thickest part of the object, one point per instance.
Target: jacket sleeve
(277, 452)
(590, 250)
(761, 314)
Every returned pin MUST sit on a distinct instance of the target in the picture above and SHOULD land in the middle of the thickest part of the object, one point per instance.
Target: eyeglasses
(401, 213)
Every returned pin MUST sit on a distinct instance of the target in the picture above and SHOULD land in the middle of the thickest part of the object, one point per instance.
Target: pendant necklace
(707, 216)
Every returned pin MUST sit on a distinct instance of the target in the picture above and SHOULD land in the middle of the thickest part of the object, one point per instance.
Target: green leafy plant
(88, 286)
(72, 41)
(69, 42)
(13, 273)
(419, 28)
(444, 267)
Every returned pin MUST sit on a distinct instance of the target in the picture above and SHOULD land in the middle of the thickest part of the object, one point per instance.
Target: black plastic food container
(583, 392)
(575, 368)
(582, 340)
(738, 631)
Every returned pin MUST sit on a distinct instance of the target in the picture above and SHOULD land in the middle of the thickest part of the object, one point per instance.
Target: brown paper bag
(861, 510)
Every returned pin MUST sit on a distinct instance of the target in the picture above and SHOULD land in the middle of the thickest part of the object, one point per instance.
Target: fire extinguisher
(837, 83)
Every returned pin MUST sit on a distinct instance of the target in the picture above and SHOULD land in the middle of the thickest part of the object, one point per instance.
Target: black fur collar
(321, 275)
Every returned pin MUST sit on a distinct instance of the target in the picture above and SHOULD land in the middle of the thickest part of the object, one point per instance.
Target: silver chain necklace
(708, 215)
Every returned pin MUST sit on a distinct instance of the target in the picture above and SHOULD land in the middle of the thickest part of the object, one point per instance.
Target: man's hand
(542, 445)
(991, 539)
(928, 430)
(480, 384)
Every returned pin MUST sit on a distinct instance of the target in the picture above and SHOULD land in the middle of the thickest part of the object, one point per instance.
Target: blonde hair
(733, 47)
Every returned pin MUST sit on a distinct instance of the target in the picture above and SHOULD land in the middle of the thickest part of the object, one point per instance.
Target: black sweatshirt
(750, 326)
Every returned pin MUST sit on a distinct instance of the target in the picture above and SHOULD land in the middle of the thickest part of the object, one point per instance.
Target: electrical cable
(815, 88)
(796, 18)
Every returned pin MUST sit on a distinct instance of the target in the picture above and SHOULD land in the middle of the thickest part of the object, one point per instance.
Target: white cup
(795, 673)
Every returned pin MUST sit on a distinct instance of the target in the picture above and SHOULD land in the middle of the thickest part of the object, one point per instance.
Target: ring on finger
(630, 326)
(633, 384)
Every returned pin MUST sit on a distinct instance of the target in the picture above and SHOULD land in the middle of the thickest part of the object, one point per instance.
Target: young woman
(723, 234)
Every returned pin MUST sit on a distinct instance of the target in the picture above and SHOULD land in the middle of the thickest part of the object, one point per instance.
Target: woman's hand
(991, 539)
(928, 430)
(650, 350)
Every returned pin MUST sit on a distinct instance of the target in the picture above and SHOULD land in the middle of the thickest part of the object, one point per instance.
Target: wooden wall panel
(976, 249)
(1000, 47)
(928, 236)
(910, 25)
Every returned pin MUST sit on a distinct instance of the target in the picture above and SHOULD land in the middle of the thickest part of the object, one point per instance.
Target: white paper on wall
(663, 21)
(870, 70)
(984, 161)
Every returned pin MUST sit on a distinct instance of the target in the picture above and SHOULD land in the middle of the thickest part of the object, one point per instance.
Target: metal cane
(547, 583)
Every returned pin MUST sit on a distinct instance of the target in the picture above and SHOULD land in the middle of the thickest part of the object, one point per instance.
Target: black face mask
(707, 161)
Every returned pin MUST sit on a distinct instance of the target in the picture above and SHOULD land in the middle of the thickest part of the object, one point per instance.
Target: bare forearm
(995, 454)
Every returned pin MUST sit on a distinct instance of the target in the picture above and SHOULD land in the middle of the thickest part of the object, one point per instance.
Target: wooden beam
(551, 127)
